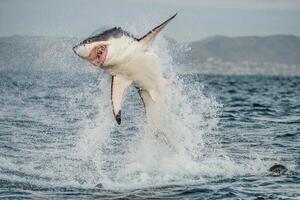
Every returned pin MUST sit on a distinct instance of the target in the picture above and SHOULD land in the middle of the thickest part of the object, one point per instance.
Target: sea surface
(58, 138)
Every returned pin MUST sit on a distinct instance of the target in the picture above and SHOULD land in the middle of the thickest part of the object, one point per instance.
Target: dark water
(58, 139)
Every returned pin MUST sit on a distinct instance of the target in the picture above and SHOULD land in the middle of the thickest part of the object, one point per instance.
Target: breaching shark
(129, 60)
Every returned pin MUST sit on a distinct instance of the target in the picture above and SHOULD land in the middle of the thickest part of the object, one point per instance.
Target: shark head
(106, 48)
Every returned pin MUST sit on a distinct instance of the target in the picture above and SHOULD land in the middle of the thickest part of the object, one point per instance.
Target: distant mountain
(279, 49)
(56, 52)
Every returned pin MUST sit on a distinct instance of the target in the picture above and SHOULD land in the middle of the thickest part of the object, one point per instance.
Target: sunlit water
(59, 138)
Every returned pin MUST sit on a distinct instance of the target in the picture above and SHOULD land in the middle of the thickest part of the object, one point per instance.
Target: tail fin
(147, 39)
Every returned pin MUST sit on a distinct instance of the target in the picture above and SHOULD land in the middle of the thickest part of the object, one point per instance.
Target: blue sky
(196, 18)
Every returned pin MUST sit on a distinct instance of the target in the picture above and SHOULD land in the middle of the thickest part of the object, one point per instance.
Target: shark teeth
(98, 55)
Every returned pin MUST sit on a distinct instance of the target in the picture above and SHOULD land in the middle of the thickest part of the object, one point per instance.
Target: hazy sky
(196, 18)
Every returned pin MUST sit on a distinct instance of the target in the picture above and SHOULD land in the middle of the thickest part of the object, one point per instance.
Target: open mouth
(98, 55)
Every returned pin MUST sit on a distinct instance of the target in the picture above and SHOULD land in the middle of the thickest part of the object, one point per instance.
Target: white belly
(143, 69)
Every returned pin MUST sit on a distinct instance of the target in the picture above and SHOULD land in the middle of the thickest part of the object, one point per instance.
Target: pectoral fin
(148, 104)
(152, 107)
(118, 86)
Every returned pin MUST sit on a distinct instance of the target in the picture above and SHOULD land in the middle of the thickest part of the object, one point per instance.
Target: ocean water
(59, 139)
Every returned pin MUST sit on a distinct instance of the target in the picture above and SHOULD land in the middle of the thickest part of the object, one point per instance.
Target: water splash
(131, 156)
(88, 148)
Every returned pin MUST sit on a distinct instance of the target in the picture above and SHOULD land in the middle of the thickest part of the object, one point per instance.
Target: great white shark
(129, 60)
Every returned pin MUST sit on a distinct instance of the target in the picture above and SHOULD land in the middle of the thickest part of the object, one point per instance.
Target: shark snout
(81, 50)
(75, 49)
(78, 50)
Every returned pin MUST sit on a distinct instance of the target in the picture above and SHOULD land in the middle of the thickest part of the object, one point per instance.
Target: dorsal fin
(150, 36)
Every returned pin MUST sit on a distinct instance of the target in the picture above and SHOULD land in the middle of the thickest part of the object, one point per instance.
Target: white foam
(130, 156)
(192, 121)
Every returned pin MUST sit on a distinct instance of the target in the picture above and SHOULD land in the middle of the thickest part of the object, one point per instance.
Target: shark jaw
(96, 54)
(130, 61)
